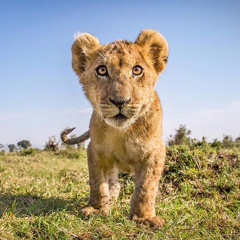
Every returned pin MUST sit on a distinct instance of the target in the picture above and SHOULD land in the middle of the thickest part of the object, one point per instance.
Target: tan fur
(132, 141)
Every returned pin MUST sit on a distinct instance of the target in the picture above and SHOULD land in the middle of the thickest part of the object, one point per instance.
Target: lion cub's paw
(154, 223)
(88, 211)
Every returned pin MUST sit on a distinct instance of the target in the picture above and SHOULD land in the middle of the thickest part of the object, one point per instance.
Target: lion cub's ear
(155, 46)
(82, 48)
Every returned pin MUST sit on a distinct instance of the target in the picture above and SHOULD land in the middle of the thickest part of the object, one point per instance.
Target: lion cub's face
(119, 78)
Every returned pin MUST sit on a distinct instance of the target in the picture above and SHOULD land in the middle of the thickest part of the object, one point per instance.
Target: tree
(181, 137)
(12, 147)
(25, 144)
(227, 140)
(237, 139)
(216, 143)
(204, 140)
(2, 148)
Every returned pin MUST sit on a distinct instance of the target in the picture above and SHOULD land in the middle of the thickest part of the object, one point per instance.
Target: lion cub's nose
(119, 103)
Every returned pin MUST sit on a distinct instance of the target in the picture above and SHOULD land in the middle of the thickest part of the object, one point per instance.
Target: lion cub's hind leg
(114, 185)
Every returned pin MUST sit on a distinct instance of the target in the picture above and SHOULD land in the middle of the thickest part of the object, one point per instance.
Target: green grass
(41, 194)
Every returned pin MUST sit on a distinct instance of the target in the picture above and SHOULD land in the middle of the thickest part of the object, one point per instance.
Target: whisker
(101, 54)
(79, 109)
(85, 114)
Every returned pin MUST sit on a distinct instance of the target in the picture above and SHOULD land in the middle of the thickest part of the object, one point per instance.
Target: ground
(41, 194)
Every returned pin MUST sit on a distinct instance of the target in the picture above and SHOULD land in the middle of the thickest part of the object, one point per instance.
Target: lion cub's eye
(102, 70)
(137, 70)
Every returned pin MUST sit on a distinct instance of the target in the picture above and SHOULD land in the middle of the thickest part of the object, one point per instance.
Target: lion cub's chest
(121, 151)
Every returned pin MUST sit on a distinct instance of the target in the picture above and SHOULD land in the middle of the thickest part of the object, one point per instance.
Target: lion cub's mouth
(120, 117)
(119, 121)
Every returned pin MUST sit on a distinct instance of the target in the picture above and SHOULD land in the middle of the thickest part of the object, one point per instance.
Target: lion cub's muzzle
(119, 112)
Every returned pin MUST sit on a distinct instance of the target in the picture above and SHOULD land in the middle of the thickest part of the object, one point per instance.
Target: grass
(41, 194)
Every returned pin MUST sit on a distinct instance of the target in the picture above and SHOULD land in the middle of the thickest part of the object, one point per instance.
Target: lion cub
(126, 125)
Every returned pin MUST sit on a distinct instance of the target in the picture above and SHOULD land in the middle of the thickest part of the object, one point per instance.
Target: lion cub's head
(119, 78)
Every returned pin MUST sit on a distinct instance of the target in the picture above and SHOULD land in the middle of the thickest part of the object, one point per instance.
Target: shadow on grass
(31, 205)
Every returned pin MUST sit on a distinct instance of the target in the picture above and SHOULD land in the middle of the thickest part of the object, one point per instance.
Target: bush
(30, 151)
(71, 153)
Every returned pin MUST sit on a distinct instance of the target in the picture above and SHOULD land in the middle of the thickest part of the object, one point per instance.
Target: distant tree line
(24, 144)
(182, 137)
(51, 145)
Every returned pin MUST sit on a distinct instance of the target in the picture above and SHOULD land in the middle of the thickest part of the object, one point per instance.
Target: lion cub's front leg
(99, 195)
(104, 186)
(146, 187)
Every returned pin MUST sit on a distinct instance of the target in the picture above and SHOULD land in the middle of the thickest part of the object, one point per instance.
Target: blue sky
(40, 94)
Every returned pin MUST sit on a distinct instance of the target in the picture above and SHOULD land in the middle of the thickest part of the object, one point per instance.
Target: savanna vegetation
(42, 191)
